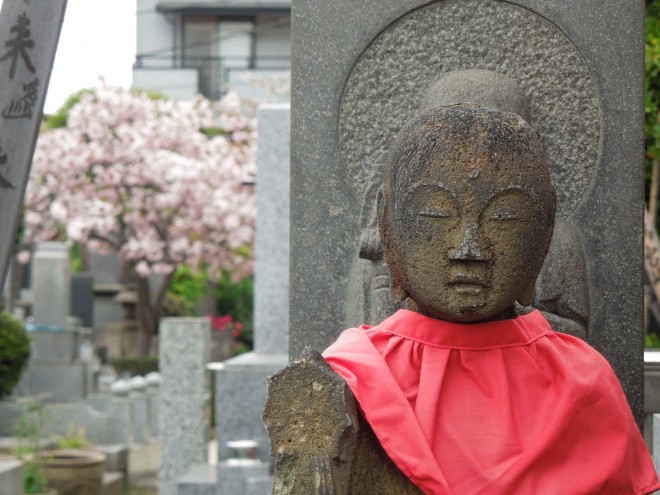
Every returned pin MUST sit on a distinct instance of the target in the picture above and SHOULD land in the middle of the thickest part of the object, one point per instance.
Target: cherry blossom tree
(161, 182)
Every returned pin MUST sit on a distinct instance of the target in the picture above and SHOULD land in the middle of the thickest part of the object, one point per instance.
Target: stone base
(11, 477)
(243, 480)
(56, 381)
(200, 480)
(59, 347)
(240, 398)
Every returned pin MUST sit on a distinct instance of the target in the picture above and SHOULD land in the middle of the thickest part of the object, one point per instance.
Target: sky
(97, 43)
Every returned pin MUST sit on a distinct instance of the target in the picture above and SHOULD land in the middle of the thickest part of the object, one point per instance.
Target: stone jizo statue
(468, 390)
(561, 292)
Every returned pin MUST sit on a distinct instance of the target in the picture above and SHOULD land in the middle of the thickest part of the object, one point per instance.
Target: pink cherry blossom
(137, 175)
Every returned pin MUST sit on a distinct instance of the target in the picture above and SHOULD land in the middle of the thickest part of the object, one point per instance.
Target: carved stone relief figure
(562, 288)
(468, 390)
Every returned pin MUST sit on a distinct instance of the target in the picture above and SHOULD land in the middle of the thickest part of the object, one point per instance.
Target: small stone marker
(29, 34)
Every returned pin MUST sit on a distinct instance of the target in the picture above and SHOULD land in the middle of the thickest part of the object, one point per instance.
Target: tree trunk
(145, 317)
(149, 311)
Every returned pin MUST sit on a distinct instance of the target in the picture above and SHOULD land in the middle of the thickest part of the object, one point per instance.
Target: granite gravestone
(355, 83)
(54, 365)
(241, 383)
(184, 351)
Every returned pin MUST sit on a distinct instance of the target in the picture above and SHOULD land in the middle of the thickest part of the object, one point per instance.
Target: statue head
(466, 213)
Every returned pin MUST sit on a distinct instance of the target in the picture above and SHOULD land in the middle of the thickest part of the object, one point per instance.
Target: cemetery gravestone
(241, 383)
(184, 352)
(355, 82)
(54, 365)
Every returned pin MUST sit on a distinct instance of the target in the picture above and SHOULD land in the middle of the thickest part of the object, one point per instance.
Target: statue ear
(397, 291)
(526, 298)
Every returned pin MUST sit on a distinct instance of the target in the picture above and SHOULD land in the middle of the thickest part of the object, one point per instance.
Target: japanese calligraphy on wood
(29, 32)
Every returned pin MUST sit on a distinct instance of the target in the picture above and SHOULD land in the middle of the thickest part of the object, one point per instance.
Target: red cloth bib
(506, 407)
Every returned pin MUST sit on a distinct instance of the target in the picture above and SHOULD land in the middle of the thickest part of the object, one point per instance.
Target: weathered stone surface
(555, 78)
(342, 90)
(320, 443)
(311, 418)
(184, 352)
(562, 287)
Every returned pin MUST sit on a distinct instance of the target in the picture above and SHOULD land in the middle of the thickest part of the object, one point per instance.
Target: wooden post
(29, 32)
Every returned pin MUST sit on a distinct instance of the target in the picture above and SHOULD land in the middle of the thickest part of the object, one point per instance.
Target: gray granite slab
(271, 295)
(184, 351)
(56, 381)
(240, 398)
(354, 81)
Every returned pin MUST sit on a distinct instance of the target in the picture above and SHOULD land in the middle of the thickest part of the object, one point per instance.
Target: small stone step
(200, 480)
(113, 483)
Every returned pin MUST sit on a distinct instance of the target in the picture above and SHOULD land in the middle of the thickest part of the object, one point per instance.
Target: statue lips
(469, 283)
(469, 280)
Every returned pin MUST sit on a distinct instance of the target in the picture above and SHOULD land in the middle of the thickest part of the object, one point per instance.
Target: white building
(201, 46)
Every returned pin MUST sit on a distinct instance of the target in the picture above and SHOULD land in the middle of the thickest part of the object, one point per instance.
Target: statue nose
(469, 248)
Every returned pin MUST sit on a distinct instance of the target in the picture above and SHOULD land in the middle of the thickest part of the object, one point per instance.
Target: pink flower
(137, 176)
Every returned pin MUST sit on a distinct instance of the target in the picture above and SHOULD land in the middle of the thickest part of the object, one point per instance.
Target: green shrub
(14, 352)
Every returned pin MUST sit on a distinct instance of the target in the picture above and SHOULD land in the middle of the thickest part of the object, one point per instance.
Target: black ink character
(4, 183)
(19, 45)
(22, 107)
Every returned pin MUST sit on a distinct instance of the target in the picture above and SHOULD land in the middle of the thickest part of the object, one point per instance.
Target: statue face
(467, 223)
(471, 240)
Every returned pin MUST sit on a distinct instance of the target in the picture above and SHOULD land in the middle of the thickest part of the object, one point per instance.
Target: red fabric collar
(506, 407)
(469, 336)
